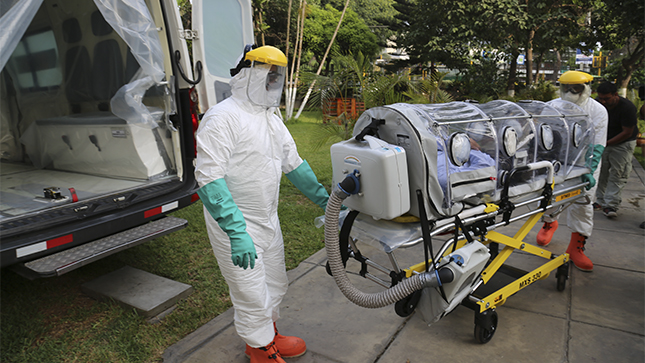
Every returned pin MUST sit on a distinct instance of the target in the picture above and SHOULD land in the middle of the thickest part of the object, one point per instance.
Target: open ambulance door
(222, 29)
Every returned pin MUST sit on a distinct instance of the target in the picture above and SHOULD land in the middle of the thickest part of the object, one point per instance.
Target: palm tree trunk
(538, 66)
(304, 101)
(558, 64)
(261, 22)
(288, 27)
(529, 59)
(512, 73)
(630, 64)
(295, 62)
(286, 53)
(302, 33)
(289, 88)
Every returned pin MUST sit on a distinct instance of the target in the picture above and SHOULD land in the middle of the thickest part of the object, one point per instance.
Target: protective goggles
(572, 88)
(274, 79)
(265, 83)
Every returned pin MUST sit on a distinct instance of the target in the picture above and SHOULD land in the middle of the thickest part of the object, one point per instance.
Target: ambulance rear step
(73, 258)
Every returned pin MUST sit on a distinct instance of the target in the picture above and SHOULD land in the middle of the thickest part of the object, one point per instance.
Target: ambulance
(98, 108)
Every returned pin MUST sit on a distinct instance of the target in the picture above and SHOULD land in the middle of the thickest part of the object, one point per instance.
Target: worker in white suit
(243, 147)
(575, 86)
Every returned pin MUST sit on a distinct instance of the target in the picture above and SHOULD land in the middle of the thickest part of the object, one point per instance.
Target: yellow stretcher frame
(511, 244)
(477, 224)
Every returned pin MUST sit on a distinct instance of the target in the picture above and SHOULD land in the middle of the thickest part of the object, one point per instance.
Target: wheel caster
(485, 326)
(406, 306)
(562, 275)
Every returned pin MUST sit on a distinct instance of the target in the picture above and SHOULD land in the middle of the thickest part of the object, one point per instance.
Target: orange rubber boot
(288, 346)
(268, 354)
(576, 252)
(546, 233)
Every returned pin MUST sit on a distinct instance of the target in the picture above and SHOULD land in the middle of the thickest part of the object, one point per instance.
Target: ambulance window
(222, 51)
(35, 62)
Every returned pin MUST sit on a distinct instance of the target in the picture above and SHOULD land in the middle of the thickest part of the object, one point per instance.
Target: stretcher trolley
(412, 173)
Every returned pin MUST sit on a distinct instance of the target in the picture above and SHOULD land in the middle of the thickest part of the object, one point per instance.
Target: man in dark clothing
(616, 164)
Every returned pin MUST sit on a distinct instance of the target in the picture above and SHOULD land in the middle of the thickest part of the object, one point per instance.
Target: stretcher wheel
(562, 275)
(485, 326)
(406, 306)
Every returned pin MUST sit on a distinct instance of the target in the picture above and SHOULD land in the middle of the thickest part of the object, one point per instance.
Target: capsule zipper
(471, 182)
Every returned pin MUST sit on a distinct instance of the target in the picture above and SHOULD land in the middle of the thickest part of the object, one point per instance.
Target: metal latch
(52, 193)
(188, 34)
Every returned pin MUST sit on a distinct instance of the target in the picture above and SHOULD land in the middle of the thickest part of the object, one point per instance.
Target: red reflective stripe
(74, 196)
(152, 212)
(194, 198)
(194, 113)
(60, 241)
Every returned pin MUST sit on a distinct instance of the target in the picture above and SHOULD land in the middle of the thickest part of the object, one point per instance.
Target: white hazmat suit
(243, 147)
(580, 214)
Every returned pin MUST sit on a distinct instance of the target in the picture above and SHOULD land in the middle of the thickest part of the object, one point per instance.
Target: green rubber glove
(588, 178)
(593, 162)
(305, 180)
(219, 203)
(597, 151)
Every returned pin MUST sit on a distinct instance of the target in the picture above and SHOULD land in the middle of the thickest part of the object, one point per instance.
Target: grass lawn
(51, 320)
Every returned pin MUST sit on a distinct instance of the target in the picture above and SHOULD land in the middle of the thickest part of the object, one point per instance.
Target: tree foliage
(619, 25)
(275, 22)
(376, 14)
(456, 33)
(353, 36)
(426, 30)
(551, 24)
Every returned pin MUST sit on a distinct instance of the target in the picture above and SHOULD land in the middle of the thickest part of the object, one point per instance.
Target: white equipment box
(100, 144)
(384, 188)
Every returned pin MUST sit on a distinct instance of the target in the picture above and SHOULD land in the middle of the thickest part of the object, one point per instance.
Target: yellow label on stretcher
(568, 195)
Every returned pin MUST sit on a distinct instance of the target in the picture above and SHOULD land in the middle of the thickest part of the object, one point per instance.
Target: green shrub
(542, 91)
(481, 81)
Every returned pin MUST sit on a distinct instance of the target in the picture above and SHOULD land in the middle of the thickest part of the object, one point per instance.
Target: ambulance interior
(81, 118)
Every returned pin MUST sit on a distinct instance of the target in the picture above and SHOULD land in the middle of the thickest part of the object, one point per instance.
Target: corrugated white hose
(366, 300)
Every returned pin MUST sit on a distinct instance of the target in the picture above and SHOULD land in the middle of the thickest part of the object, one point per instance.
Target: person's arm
(305, 180)
(622, 136)
(219, 202)
(216, 139)
(596, 154)
(601, 120)
(628, 122)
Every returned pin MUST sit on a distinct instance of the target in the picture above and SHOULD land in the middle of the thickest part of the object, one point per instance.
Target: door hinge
(188, 34)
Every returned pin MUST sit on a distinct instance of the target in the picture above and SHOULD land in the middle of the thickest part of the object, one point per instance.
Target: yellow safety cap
(267, 54)
(575, 77)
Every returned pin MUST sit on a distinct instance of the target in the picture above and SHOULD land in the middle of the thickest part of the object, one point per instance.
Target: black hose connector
(371, 129)
(445, 275)
(350, 185)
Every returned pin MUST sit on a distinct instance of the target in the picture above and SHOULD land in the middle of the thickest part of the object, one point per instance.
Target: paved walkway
(599, 317)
